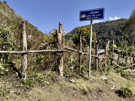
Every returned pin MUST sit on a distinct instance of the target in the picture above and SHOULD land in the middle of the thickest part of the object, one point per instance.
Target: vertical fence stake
(134, 59)
(112, 52)
(80, 49)
(60, 46)
(106, 53)
(126, 60)
(118, 59)
(24, 48)
(96, 54)
(90, 48)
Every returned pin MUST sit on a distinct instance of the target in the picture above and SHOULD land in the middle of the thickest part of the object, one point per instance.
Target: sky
(46, 14)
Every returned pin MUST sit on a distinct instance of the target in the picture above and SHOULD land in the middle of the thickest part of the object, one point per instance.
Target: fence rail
(31, 51)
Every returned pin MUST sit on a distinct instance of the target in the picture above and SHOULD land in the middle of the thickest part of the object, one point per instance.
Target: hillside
(106, 31)
(55, 88)
(129, 30)
(12, 23)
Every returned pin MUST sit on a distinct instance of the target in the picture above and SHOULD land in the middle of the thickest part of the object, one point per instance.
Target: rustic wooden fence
(61, 49)
(122, 61)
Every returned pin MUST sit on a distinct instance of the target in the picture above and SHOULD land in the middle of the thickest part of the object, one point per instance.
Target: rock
(72, 81)
(104, 77)
(112, 88)
(111, 82)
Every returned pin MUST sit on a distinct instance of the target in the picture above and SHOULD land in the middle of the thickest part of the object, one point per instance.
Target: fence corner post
(60, 47)
(24, 48)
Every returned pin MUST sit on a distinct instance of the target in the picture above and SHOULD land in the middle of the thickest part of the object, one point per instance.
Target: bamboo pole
(24, 48)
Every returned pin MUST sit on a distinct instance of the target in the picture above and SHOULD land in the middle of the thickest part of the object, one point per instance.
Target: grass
(61, 89)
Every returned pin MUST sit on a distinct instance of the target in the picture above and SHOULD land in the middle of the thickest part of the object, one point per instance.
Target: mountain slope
(129, 30)
(12, 23)
(105, 31)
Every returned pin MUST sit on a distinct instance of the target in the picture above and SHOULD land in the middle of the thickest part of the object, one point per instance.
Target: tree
(85, 33)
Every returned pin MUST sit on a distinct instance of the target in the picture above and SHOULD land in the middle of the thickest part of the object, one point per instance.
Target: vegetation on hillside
(129, 30)
(105, 31)
(10, 38)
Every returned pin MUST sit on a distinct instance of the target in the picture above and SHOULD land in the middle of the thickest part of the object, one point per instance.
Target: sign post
(90, 15)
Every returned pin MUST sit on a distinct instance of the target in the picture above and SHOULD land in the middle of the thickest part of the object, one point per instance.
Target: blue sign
(94, 14)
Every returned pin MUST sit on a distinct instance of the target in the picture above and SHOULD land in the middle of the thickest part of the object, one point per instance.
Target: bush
(125, 92)
(4, 89)
(3, 70)
(123, 73)
(36, 79)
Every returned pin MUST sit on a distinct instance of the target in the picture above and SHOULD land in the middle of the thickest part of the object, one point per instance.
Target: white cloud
(114, 18)
(97, 21)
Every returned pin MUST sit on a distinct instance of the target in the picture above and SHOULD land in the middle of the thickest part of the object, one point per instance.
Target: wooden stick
(24, 55)
(112, 52)
(31, 51)
(122, 66)
(73, 50)
(106, 53)
(80, 53)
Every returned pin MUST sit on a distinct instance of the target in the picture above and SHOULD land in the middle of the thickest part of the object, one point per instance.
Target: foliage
(69, 66)
(32, 81)
(123, 73)
(125, 92)
(106, 31)
(129, 30)
(114, 46)
(4, 89)
(3, 70)
(85, 34)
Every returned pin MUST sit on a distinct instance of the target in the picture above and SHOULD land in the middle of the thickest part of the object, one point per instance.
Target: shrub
(3, 70)
(123, 73)
(33, 80)
(125, 92)
(4, 89)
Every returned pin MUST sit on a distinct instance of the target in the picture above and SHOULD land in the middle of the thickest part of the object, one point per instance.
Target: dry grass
(61, 89)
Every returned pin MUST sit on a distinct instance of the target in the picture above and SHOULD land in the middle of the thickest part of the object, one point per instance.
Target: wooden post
(106, 53)
(24, 48)
(112, 52)
(60, 46)
(126, 60)
(96, 54)
(80, 49)
(118, 59)
(134, 59)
